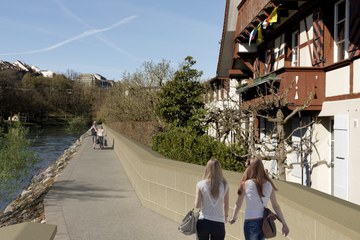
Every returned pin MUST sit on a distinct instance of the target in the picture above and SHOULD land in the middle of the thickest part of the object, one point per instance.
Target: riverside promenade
(94, 200)
(131, 192)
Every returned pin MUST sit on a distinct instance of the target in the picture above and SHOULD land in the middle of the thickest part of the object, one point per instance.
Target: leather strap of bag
(270, 210)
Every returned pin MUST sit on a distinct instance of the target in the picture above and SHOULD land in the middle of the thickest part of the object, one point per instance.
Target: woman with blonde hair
(212, 197)
(257, 188)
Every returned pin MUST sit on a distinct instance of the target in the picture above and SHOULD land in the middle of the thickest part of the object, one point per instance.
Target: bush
(77, 126)
(16, 157)
(182, 144)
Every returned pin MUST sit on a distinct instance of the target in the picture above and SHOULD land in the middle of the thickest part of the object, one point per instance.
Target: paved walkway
(94, 200)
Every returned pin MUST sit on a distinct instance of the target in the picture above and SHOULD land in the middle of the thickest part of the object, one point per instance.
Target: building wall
(279, 50)
(306, 33)
(230, 101)
(337, 82)
(168, 188)
(320, 159)
(356, 76)
(351, 109)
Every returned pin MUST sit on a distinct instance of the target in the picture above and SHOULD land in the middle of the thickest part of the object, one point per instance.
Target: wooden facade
(312, 48)
(314, 21)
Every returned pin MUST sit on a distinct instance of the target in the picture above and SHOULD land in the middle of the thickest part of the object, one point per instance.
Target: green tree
(181, 99)
(9, 92)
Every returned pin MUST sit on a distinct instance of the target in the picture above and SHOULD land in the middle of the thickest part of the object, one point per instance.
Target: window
(295, 49)
(341, 30)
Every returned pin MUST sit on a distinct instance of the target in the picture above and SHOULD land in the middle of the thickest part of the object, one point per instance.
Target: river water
(49, 144)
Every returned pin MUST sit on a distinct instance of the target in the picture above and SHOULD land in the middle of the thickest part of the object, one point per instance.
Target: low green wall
(168, 188)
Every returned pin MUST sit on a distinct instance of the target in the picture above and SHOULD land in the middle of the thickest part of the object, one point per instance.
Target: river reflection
(49, 144)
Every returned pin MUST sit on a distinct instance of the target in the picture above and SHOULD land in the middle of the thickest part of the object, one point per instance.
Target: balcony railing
(296, 85)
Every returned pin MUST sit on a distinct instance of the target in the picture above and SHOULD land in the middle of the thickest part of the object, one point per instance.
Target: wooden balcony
(296, 85)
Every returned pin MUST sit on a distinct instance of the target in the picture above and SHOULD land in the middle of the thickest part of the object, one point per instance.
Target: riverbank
(29, 206)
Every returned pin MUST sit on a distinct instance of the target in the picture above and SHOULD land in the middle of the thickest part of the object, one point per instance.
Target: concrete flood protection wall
(168, 188)
(28, 231)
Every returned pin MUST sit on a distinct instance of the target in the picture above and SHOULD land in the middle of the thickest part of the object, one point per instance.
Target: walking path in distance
(94, 200)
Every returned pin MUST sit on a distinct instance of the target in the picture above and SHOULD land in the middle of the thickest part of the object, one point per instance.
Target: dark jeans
(101, 141)
(253, 229)
(207, 229)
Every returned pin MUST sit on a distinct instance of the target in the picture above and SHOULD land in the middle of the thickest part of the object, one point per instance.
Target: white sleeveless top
(211, 209)
(254, 206)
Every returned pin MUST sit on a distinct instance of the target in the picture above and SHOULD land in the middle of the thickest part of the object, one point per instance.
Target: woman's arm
(226, 204)
(277, 209)
(198, 198)
(237, 207)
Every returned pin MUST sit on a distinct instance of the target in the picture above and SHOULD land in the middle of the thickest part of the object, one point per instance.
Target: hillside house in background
(95, 80)
(308, 50)
(25, 68)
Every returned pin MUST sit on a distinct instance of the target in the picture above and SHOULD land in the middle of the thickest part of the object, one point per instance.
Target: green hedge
(183, 145)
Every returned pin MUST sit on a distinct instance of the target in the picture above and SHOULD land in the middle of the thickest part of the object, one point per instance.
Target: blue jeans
(207, 229)
(253, 229)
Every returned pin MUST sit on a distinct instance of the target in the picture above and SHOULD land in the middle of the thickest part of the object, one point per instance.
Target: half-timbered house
(305, 55)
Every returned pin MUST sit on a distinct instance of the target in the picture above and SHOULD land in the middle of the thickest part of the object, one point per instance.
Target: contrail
(79, 20)
(80, 36)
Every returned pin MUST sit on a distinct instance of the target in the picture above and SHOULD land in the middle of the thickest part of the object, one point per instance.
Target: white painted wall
(279, 50)
(321, 175)
(305, 58)
(356, 85)
(232, 102)
(352, 109)
(337, 82)
(306, 33)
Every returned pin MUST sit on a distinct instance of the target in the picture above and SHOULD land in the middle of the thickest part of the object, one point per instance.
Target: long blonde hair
(256, 172)
(213, 173)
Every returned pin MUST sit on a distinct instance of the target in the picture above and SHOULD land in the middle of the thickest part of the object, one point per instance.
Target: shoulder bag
(188, 224)
(268, 225)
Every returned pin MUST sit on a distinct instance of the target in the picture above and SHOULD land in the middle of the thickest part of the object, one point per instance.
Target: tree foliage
(181, 101)
(9, 91)
(15, 156)
(183, 144)
(182, 107)
(38, 97)
(135, 97)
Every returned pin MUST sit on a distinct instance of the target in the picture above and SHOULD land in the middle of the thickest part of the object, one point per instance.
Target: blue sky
(110, 37)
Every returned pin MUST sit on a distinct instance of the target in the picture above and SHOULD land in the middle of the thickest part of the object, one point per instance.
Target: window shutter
(318, 38)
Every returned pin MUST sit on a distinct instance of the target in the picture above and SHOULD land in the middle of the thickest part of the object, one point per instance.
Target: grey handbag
(188, 224)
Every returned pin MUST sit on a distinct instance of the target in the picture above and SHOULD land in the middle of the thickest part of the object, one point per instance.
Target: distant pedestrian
(93, 132)
(212, 197)
(257, 188)
(100, 135)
